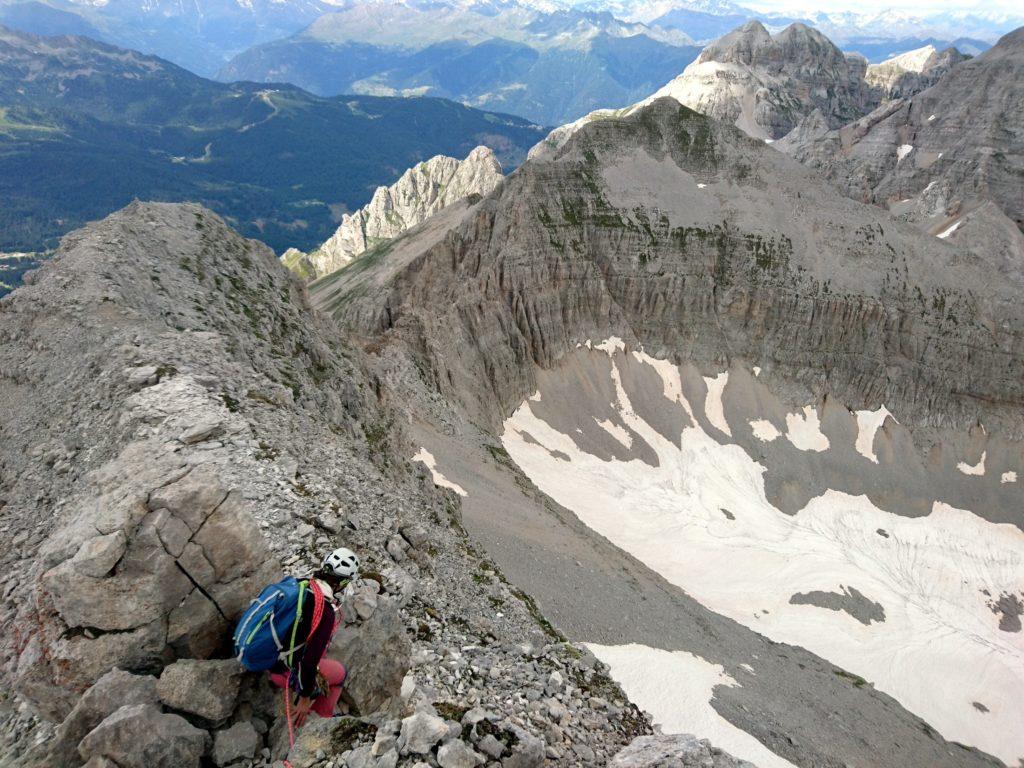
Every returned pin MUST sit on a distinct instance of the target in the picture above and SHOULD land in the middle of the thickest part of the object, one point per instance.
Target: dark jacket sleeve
(314, 651)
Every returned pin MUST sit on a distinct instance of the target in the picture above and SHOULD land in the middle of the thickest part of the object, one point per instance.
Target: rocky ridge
(912, 72)
(227, 433)
(772, 85)
(420, 192)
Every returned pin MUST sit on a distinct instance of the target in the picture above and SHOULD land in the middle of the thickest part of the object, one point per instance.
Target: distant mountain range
(549, 61)
(548, 66)
(86, 127)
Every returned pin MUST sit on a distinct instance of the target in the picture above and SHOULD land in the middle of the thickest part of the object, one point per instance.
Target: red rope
(318, 613)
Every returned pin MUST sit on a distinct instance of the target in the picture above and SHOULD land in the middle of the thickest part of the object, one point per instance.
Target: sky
(917, 6)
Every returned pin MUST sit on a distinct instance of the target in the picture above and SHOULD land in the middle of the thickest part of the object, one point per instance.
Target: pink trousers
(334, 672)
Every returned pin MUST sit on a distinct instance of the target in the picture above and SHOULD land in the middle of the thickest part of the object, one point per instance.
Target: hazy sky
(998, 6)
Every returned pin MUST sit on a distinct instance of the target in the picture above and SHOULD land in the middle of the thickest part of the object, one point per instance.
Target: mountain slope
(166, 381)
(549, 67)
(701, 344)
(939, 157)
(277, 161)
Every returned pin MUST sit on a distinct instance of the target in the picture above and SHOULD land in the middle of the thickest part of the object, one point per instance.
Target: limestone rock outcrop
(141, 736)
(422, 191)
(902, 76)
(675, 751)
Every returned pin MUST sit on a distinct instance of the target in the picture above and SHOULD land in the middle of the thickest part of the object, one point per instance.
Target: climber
(316, 679)
(288, 629)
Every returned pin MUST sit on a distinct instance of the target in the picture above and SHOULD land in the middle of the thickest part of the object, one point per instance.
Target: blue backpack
(266, 632)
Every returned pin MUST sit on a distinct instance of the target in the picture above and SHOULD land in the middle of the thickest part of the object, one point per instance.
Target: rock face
(599, 214)
(937, 159)
(422, 191)
(141, 736)
(902, 76)
(660, 751)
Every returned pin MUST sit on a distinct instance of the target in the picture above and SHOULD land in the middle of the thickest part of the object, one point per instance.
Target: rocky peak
(741, 46)
(912, 72)
(422, 191)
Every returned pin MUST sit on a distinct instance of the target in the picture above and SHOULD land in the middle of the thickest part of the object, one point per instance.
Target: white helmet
(343, 563)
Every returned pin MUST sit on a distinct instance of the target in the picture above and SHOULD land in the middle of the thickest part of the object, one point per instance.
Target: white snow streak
(713, 405)
(868, 423)
(676, 687)
(902, 151)
(977, 469)
(427, 458)
(950, 229)
(1008, 477)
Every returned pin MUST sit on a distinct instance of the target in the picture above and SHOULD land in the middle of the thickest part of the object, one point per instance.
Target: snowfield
(908, 600)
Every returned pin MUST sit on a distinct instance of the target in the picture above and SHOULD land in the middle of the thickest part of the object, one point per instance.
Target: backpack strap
(318, 611)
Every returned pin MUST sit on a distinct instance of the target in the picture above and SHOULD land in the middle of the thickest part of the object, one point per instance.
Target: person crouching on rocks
(317, 680)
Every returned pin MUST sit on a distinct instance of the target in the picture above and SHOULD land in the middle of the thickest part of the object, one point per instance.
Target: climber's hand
(301, 711)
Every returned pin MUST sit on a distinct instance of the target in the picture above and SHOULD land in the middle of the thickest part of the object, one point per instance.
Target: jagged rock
(457, 754)
(332, 736)
(200, 431)
(114, 690)
(902, 76)
(416, 535)
(142, 376)
(421, 191)
(491, 746)
(141, 736)
(100, 762)
(420, 732)
(673, 751)
(238, 742)
(205, 688)
(931, 160)
(376, 655)
(97, 556)
(527, 752)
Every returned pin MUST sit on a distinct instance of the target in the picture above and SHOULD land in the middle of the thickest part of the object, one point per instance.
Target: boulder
(458, 754)
(141, 736)
(239, 742)
(111, 692)
(376, 655)
(205, 688)
(420, 732)
(330, 736)
(98, 556)
(527, 752)
(673, 751)
(176, 560)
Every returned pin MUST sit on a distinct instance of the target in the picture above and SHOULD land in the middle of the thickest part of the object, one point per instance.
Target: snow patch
(713, 405)
(764, 430)
(1008, 477)
(677, 687)
(977, 469)
(804, 432)
(757, 370)
(939, 647)
(902, 151)
(868, 423)
(611, 345)
(701, 186)
(427, 458)
(950, 229)
(930, 118)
